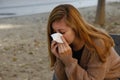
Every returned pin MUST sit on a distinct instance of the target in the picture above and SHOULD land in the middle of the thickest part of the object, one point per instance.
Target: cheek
(69, 38)
(66, 38)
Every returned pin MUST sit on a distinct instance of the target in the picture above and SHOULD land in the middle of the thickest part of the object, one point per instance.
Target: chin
(70, 43)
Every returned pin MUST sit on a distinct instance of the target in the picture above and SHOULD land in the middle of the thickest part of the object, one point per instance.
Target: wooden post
(100, 14)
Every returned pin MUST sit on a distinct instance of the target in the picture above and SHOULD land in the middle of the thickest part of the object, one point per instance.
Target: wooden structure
(100, 14)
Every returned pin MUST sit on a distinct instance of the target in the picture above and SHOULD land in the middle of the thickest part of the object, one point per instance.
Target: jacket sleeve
(95, 69)
(60, 70)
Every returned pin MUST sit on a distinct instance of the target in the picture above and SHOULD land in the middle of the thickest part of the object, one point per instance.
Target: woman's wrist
(70, 62)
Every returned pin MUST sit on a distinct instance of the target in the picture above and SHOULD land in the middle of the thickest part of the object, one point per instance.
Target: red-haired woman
(86, 53)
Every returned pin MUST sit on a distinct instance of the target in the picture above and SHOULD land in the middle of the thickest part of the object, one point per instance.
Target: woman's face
(65, 30)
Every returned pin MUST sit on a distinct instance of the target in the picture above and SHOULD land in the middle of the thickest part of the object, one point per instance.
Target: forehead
(59, 24)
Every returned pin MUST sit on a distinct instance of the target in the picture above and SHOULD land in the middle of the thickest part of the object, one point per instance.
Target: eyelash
(59, 32)
(62, 32)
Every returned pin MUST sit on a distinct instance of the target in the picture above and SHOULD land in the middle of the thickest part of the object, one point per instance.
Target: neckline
(79, 49)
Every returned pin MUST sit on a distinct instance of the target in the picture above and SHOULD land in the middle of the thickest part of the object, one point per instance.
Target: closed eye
(62, 32)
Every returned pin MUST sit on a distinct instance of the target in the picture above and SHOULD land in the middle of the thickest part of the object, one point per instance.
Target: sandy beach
(23, 42)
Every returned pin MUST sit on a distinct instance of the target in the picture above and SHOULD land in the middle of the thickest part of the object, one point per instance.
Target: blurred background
(25, 7)
(23, 40)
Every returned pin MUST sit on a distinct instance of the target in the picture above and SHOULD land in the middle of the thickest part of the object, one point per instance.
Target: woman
(86, 52)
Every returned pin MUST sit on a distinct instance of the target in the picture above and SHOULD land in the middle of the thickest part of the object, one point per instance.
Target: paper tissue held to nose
(57, 37)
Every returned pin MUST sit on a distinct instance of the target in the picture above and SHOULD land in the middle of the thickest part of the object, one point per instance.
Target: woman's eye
(62, 32)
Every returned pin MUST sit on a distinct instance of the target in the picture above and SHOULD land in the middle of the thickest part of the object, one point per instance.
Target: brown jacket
(90, 68)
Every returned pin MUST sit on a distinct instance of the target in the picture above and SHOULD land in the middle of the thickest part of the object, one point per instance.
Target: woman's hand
(62, 51)
(54, 48)
(65, 52)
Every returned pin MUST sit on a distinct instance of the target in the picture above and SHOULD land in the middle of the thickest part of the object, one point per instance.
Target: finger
(59, 48)
(53, 43)
(55, 51)
(62, 49)
(54, 48)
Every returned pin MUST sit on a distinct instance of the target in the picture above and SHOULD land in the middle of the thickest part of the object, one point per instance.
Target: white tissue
(57, 37)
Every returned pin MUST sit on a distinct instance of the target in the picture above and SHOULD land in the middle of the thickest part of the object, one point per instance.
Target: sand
(23, 43)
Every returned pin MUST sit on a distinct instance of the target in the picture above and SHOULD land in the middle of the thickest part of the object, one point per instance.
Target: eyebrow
(59, 30)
